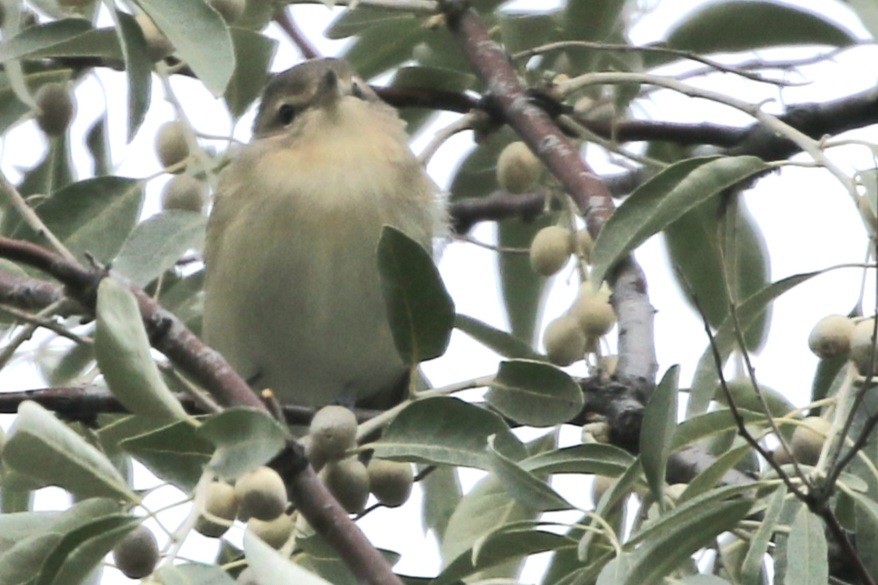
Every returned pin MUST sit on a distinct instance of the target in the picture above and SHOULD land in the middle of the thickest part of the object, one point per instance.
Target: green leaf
(69, 366)
(193, 574)
(447, 431)
(737, 25)
(501, 546)
(175, 453)
(731, 252)
(657, 431)
(484, 509)
(686, 530)
(81, 550)
(708, 478)
(138, 67)
(370, 54)
(319, 557)
(525, 30)
(522, 485)
(616, 571)
(565, 560)
(46, 449)
(606, 507)
(15, 527)
(806, 550)
(92, 216)
(120, 427)
(828, 377)
(52, 173)
(742, 393)
(360, 19)
(664, 198)
(593, 21)
(535, 393)
(200, 37)
(98, 143)
(428, 77)
(184, 299)
(72, 37)
(513, 541)
(419, 309)
(18, 562)
(587, 458)
(709, 424)
(270, 566)
(156, 244)
(752, 566)
(495, 339)
(14, 500)
(253, 55)
(33, 40)
(244, 438)
(442, 494)
(123, 353)
(705, 379)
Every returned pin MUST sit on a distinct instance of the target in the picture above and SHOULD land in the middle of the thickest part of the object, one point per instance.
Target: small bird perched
(292, 295)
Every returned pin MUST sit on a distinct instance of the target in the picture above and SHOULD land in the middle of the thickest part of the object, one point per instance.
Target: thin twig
(802, 140)
(24, 334)
(733, 408)
(285, 20)
(492, 247)
(460, 125)
(38, 321)
(416, 6)
(33, 220)
(597, 46)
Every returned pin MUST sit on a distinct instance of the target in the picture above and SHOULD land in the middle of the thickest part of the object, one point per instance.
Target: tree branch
(547, 141)
(166, 332)
(283, 18)
(205, 365)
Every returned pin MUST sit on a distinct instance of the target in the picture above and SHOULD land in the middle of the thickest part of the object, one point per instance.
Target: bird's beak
(328, 91)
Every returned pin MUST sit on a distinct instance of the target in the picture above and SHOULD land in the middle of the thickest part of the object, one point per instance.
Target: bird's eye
(286, 113)
(357, 91)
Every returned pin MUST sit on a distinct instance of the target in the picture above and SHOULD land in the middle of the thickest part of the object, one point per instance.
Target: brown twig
(812, 498)
(309, 494)
(171, 337)
(654, 49)
(490, 62)
(283, 18)
(465, 213)
(166, 332)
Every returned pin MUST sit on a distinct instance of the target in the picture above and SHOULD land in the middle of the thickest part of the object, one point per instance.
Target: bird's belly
(305, 316)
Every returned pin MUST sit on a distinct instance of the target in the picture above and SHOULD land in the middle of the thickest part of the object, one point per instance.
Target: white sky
(806, 217)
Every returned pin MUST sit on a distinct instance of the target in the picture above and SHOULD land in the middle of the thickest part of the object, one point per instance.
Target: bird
(292, 295)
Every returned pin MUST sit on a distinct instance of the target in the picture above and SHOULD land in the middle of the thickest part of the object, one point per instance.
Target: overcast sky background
(806, 216)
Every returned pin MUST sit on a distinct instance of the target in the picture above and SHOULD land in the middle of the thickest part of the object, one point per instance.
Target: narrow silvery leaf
(123, 353)
(41, 446)
(657, 431)
(446, 431)
(244, 438)
(535, 393)
(271, 567)
(200, 37)
(806, 550)
(419, 309)
(664, 198)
